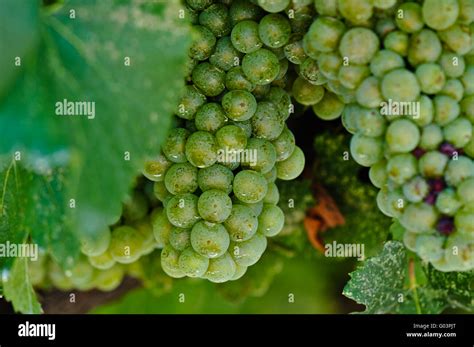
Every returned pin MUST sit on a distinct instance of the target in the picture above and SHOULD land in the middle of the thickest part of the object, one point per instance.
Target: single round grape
(170, 262)
(432, 164)
(244, 10)
(466, 12)
(271, 220)
(160, 191)
(446, 109)
(447, 202)
(416, 189)
(210, 117)
(398, 42)
(273, 6)
(425, 111)
(273, 195)
(209, 239)
(326, 7)
(365, 150)
(126, 244)
(110, 279)
(261, 155)
(81, 275)
(155, 168)
(368, 93)
(209, 79)
(181, 178)
(245, 37)
(385, 61)
(467, 107)
(330, 107)
(199, 5)
(179, 238)
(464, 218)
(454, 89)
(247, 253)
(284, 144)
(102, 261)
(401, 168)
(467, 80)
(236, 79)
(453, 64)
(424, 47)
(430, 77)
(356, 11)
(400, 85)
(173, 147)
(465, 190)
(402, 136)
(370, 123)
(145, 228)
(250, 186)
(324, 35)
(216, 18)
(458, 132)
(239, 105)
(261, 66)
(225, 55)
(431, 137)
(282, 100)
(409, 18)
(351, 76)
(459, 252)
(459, 170)
(440, 14)
(295, 53)
(266, 122)
(161, 227)
(192, 264)
(231, 138)
(190, 102)
(329, 64)
(384, 26)
(351, 48)
(181, 210)
(201, 149)
(260, 91)
(392, 203)
(469, 148)
(274, 30)
(349, 117)
(419, 218)
(378, 174)
(429, 247)
(239, 272)
(203, 43)
(95, 244)
(214, 206)
(307, 93)
(309, 70)
(409, 239)
(242, 223)
(215, 177)
(291, 167)
(221, 269)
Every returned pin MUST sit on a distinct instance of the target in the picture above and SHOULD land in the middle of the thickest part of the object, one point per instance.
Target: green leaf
(379, 282)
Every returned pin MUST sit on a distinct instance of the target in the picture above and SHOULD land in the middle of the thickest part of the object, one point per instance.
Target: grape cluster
(401, 75)
(216, 172)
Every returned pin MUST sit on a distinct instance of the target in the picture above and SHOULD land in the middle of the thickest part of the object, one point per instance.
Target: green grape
(459, 252)
(326, 7)
(181, 178)
(378, 174)
(273, 6)
(425, 113)
(401, 168)
(201, 149)
(391, 202)
(295, 53)
(409, 18)
(466, 12)
(370, 123)
(261, 155)
(209, 239)
(170, 262)
(349, 117)
(368, 93)
(409, 239)
(459, 170)
(309, 70)
(110, 279)
(209, 79)
(469, 148)
(424, 47)
(216, 18)
(221, 269)
(245, 37)
(271, 220)
(191, 15)
(284, 144)
(214, 206)
(454, 89)
(239, 105)
(260, 91)
(190, 103)
(239, 272)
(440, 14)
(307, 93)
(433, 164)
(199, 5)
(402, 136)
(274, 30)
(102, 261)
(453, 64)
(58, 278)
(242, 223)
(192, 264)
(384, 26)
(323, 35)
(458, 132)
(271, 175)
(145, 228)
(329, 64)
(247, 253)
(464, 220)
(181, 210)
(416, 189)
(385, 61)
(215, 177)
(241, 10)
(173, 147)
(429, 247)
(273, 195)
(95, 244)
(81, 274)
(465, 190)
(135, 206)
(351, 76)
(231, 138)
(467, 80)
(160, 191)
(282, 100)
(250, 186)
(235, 79)
(419, 218)
(179, 238)
(400, 85)
(126, 244)
(356, 11)
(330, 107)
(351, 48)
(154, 169)
(266, 122)
(203, 43)
(261, 66)
(225, 55)
(446, 109)
(398, 42)
(447, 202)
(456, 39)
(431, 78)
(210, 117)
(431, 137)
(467, 107)
(366, 151)
(291, 167)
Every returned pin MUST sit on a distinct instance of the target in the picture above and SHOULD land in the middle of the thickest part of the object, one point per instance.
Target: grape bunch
(215, 175)
(401, 76)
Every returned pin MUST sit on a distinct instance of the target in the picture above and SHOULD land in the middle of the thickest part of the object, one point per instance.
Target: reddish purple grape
(445, 225)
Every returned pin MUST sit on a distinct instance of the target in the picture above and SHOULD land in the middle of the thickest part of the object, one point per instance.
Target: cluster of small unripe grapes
(401, 75)
(217, 168)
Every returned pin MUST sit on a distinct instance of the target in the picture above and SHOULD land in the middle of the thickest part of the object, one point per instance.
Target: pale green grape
(214, 206)
(271, 220)
(181, 210)
(250, 186)
(247, 253)
(242, 223)
(291, 167)
(209, 240)
(192, 264)
(221, 269)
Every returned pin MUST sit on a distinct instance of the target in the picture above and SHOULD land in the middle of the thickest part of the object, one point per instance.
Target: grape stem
(413, 284)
